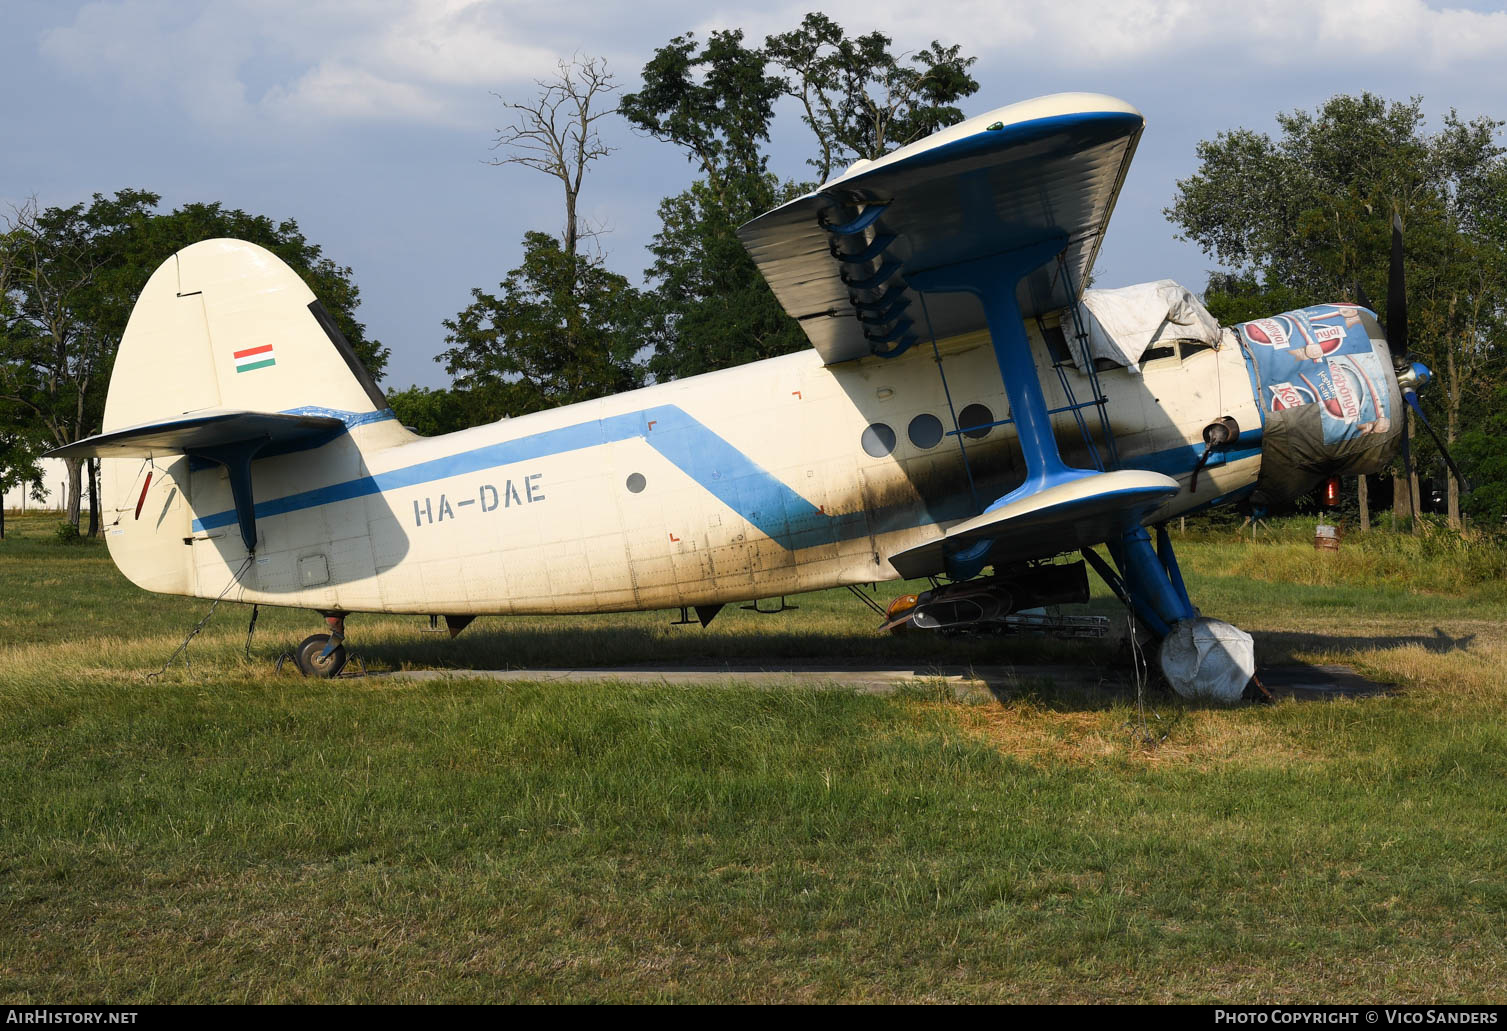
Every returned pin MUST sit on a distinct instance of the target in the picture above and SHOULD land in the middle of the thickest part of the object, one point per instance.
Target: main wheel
(312, 661)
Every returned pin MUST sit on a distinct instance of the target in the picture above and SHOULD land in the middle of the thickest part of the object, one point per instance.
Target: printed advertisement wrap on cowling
(1322, 355)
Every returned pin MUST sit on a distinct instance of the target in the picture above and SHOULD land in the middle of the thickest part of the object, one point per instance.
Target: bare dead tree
(556, 133)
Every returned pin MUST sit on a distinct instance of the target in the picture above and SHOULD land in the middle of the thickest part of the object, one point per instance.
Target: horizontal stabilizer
(201, 433)
(1077, 514)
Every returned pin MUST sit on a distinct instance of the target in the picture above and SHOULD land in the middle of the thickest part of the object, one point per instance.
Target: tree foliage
(430, 413)
(1483, 458)
(62, 287)
(859, 98)
(712, 308)
(560, 329)
(716, 102)
(20, 446)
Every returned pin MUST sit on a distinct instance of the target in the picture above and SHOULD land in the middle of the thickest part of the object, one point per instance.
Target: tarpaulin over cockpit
(1123, 323)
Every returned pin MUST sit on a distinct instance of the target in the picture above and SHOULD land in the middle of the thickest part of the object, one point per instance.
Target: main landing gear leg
(1200, 657)
(323, 655)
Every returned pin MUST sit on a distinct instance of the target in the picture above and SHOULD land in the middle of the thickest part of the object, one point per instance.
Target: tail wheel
(312, 660)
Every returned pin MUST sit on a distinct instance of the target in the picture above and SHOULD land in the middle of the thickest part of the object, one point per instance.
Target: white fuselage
(747, 483)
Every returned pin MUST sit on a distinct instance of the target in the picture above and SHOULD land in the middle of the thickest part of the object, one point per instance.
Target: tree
(562, 329)
(70, 276)
(712, 308)
(1462, 275)
(58, 338)
(1483, 457)
(716, 101)
(1303, 218)
(556, 134)
(859, 98)
(431, 413)
(716, 105)
(20, 445)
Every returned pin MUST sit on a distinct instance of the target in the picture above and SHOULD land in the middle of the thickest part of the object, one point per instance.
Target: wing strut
(993, 280)
(236, 458)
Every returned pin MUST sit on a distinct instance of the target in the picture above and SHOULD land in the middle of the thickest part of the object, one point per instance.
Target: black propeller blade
(1397, 297)
(1412, 399)
(1407, 466)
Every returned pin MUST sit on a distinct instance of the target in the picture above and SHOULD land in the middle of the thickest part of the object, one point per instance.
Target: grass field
(232, 834)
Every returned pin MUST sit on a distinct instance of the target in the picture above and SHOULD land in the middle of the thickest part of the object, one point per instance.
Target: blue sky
(370, 121)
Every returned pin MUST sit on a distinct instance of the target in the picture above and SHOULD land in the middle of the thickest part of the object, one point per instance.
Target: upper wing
(838, 257)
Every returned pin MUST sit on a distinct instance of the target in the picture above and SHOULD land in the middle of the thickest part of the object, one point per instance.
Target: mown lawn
(232, 834)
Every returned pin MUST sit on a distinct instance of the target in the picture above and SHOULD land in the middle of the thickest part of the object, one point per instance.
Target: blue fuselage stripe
(727, 473)
(696, 450)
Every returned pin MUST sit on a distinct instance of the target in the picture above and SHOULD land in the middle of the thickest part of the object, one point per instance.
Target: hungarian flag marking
(254, 358)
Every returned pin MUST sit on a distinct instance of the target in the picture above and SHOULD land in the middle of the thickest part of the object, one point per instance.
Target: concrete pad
(969, 683)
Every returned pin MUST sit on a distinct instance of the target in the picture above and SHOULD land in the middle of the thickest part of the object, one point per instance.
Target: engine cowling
(1329, 396)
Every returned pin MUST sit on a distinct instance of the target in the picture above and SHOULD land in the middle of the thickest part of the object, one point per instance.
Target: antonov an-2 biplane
(966, 412)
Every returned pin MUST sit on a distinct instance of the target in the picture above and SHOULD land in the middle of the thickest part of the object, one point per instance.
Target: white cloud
(466, 42)
(376, 60)
(434, 60)
(1203, 33)
(336, 91)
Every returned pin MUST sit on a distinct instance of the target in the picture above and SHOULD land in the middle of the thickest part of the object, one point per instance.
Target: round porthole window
(878, 440)
(974, 421)
(636, 482)
(925, 431)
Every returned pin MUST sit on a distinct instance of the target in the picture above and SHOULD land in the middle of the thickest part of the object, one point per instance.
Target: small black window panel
(1156, 354)
(326, 323)
(1057, 345)
(975, 420)
(925, 431)
(636, 483)
(878, 440)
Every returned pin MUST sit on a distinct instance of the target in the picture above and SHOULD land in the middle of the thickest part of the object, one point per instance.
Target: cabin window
(975, 421)
(925, 431)
(1175, 350)
(878, 440)
(636, 483)
(1160, 353)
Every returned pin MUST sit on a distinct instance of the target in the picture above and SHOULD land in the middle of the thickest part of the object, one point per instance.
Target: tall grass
(1434, 558)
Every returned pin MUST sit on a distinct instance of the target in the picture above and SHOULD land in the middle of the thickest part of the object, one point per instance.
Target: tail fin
(225, 325)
